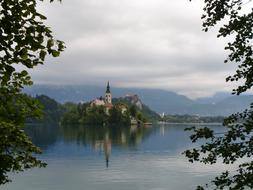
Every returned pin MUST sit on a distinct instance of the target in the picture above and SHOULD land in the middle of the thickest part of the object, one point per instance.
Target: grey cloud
(144, 43)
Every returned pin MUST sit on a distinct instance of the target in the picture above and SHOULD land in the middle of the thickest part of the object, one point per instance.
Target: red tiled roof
(108, 105)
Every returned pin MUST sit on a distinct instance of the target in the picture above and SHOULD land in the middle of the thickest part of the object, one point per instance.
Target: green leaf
(50, 43)
(43, 54)
(55, 53)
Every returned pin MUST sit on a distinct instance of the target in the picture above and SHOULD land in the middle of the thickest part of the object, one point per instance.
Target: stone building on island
(106, 101)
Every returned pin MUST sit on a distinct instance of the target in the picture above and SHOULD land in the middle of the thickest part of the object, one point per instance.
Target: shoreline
(183, 123)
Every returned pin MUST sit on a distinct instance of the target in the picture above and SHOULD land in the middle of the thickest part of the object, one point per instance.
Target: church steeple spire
(108, 95)
(108, 88)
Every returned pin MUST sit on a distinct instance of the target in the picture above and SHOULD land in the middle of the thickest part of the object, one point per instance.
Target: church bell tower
(108, 95)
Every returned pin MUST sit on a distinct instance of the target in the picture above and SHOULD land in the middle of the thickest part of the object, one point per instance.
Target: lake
(118, 158)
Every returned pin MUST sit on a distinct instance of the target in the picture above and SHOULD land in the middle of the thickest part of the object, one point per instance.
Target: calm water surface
(100, 158)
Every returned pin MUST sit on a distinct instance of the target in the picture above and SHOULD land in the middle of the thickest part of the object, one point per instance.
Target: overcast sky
(135, 43)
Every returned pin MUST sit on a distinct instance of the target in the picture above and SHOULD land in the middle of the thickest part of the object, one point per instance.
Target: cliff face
(133, 99)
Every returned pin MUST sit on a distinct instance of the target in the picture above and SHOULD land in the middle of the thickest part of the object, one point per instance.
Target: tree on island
(87, 114)
(133, 110)
(117, 117)
(237, 142)
(24, 40)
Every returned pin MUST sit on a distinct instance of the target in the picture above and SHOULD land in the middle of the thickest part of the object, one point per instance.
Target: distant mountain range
(158, 100)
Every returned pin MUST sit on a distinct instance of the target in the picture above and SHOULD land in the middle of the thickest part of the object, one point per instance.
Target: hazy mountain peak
(159, 100)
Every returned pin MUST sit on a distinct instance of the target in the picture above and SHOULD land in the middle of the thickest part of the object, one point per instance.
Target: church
(106, 101)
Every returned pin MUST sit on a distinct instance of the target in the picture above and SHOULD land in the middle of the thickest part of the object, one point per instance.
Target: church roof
(108, 88)
(108, 105)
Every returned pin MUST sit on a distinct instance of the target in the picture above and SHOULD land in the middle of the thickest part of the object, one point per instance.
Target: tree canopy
(236, 19)
(237, 23)
(25, 41)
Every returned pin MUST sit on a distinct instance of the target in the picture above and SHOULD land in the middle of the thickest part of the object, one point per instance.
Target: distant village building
(162, 115)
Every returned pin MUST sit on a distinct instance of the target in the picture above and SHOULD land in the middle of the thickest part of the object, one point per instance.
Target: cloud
(144, 43)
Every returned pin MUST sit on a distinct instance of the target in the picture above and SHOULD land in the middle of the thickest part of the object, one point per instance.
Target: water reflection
(138, 158)
(160, 139)
(162, 130)
(106, 147)
(101, 139)
(43, 135)
(120, 136)
(104, 139)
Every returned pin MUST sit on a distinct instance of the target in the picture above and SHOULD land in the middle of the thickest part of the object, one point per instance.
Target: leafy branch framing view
(237, 142)
(24, 40)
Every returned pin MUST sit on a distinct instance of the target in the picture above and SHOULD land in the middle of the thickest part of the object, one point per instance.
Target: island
(124, 111)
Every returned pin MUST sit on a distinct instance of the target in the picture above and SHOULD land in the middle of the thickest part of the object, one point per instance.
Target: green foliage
(237, 140)
(70, 117)
(52, 110)
(148, 114)
(235, 143)
(140, 117)
(133, 110)
(237, 23)
(24, 41)
(71, 114)
(116, 117)
(16, 151)
(94, 115)
(84, 114)
(16, 148)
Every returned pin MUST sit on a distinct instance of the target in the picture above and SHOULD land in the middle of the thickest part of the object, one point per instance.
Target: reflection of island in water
(43, 135)
(105, 146)
(101, 139)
